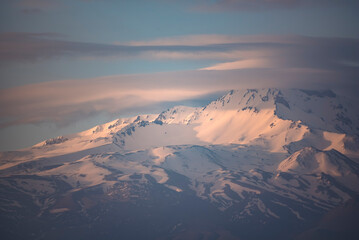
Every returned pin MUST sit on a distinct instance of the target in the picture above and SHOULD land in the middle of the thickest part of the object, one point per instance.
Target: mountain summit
(270, 158)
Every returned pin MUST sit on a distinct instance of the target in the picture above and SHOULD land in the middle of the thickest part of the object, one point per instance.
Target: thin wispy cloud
(231, 52)
(16, 47)
(261, 5)
(243, 61)
(68, 101)
(63, 102)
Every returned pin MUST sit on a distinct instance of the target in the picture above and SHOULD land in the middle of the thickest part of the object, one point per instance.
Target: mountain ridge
(247, 155)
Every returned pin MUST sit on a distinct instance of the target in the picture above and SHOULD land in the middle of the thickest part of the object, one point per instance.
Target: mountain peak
(310, 160)
(282, 120)
(318, 109)
(178, 114)
(231, 155)
(246, 99)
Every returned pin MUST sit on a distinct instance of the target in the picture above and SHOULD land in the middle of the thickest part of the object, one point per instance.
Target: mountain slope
(252, 158)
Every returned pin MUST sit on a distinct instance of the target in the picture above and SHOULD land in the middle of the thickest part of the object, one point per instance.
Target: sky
(67, 65)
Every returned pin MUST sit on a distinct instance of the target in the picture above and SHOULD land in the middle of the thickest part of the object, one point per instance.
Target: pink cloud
(243, 64)
(67, 101)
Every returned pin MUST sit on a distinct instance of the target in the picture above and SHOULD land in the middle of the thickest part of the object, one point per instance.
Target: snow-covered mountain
(257, 156)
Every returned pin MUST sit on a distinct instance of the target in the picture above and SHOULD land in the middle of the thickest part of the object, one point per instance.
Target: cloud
(16, 47)
(242, 62)
(230, 52)
(260, 5)
(65, 102)
(208, 39)
(242, 52)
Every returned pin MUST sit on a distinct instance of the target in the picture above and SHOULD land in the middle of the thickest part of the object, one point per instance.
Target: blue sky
(124, 53)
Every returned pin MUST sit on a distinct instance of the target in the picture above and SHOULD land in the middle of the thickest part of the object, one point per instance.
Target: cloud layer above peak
(243, 61)
(230, 52)
(68, 101)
